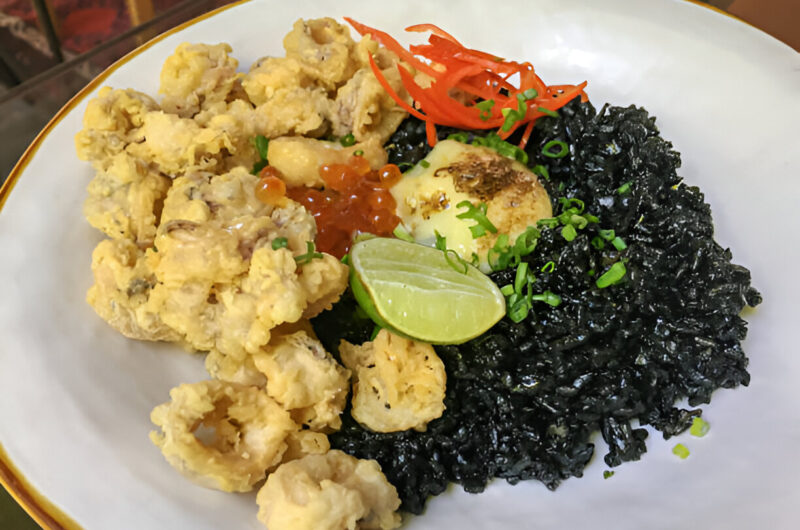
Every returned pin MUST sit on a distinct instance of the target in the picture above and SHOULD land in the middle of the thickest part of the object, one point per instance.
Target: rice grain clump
(524, 398)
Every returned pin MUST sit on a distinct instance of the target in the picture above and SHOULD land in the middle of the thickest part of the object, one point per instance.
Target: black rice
(524, 399)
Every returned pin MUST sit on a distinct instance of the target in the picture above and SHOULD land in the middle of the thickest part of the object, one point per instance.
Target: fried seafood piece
(221, 435)
(362, 106)
(398, 384)
(324, 49)
(299, 159)
(333, 491)
(325, 82)
(196, 77)
(276, 290)
(305, 379)
(305, 442)
(124, 199)
(178, 146)
(112, 120)
(122, 285)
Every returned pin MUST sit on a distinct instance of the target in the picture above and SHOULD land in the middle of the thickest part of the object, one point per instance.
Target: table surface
(26, 109)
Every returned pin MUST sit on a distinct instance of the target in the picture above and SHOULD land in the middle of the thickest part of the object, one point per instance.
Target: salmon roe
(270, 188)
(355, 200)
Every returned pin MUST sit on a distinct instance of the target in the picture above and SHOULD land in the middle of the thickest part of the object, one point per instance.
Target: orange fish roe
(270, 188)
(356, 200)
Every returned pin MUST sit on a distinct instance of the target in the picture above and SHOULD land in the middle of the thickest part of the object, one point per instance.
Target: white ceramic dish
(76, 395)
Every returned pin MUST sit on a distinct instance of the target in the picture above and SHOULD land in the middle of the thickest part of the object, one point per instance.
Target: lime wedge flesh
(413, 289)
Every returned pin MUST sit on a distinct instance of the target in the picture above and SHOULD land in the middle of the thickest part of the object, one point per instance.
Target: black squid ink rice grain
(524, 399)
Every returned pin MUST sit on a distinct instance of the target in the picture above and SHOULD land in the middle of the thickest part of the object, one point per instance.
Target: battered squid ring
(221, 435)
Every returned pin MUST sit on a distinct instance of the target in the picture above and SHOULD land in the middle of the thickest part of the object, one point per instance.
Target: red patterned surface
(83, 24)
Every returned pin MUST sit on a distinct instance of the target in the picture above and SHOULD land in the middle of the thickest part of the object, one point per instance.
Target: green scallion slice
(699, 427)
(680, 451)
(614, 274)
(563, 149)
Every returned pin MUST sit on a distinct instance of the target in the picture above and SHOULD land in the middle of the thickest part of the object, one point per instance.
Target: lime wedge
(414, 290)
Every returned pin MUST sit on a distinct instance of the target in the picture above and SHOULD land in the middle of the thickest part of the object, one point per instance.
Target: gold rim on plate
(37, 506)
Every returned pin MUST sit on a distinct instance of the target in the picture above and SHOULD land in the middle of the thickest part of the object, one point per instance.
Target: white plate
(76, 395)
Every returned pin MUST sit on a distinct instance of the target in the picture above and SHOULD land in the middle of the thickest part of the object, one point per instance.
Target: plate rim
(43, 511)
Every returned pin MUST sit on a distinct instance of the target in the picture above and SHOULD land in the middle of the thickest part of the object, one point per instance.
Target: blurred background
(50, 49)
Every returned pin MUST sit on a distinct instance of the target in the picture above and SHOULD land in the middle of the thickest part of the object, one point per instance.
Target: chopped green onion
(598, 243)
(375, 330)
(548, 298)
(346, 260)
(475, 259)
(261, 144)
(526, 242)
(567, 203)
(459, 137)
(499, 256)
(550, 222)
(512, 116)
(680, 451)
(590, 272)
(563, 149)
(541, 171)
(591, 218)
(477, 214)
(425, 164)
(441, 241)
(529, 94)
(507, 290)
(310, 254)
(608, 235)
(358, 152)
(625, 188)
(619, 244)
(405, 165)
(607, 474)
(548, 112)
(614, 274)
(279, 242)
(569, 233)
(455, 261)
(519, 310)
(521, 279)
(699, 427)
(348, 140)
(401, 233)
(548, 267)
(485, 108)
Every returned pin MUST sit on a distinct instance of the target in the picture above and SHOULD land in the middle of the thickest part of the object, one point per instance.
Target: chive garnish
(548, 298)
(569, 233)
(548, 112)
(401, 233)
(485, 108)
(625, 188)
(563, 149)
(699, 427)
(310, 254)
(279, 242)
(548, 267)
(541, 171)
(607, 474)
(619, 244)
(477, 214)
(441, 241)
(358, 152)
(680, 451)
(348, 140)
(614, 274)
(425, 164)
